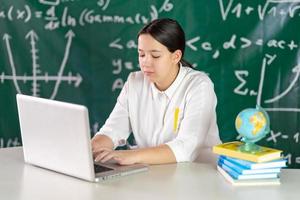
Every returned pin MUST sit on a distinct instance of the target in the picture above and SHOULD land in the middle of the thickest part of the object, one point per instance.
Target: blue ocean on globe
(252, 124)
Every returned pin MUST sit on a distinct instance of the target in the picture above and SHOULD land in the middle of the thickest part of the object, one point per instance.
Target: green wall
(82, 51)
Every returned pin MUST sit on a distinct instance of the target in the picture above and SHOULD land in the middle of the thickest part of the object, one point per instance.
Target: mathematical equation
(232, 43)
(55, 20)
(270, 8)
(59, 15)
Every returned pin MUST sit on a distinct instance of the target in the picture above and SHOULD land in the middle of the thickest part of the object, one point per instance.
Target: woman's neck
(164, 85)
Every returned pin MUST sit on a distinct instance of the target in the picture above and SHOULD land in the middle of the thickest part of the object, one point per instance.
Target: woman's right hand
(101, 144)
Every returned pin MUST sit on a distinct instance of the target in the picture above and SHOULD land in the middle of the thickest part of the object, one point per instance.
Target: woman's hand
(102, 147)
(122, 157)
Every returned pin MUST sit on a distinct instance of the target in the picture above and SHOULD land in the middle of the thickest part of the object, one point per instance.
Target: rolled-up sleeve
(117, 126)
(198, 119)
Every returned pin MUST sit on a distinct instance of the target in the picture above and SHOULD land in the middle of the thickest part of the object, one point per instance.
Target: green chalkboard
(82, 51)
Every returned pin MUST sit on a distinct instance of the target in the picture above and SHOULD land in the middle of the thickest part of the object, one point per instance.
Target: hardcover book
(279, 163)
(232, 149)
(242, 170)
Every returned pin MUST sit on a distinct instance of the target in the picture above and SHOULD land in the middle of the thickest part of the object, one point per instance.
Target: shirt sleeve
(117, 126)
(199, 114)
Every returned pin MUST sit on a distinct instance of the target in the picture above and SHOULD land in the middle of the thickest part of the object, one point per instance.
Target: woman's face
(157, 63)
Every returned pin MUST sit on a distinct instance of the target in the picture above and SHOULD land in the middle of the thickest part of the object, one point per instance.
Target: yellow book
(232, 149)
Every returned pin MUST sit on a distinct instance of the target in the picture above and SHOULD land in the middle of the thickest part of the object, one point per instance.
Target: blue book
(242, 170)
(253, 165)
(238, 176)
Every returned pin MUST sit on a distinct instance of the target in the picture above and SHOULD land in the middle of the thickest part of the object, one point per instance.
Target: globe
(252, 124)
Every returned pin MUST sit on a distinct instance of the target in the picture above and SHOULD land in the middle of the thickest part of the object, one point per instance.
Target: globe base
(250, 147)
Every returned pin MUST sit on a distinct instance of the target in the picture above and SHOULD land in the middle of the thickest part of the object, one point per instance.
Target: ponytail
(186, 63)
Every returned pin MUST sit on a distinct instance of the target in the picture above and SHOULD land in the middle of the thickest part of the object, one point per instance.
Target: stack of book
(241, 168)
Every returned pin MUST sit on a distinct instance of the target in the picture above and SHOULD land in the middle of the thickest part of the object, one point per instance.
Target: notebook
(56, 136)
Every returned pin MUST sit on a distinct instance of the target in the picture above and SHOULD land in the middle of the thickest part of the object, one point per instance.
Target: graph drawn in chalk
(37, 77)
(241, 89)
(295, 70)
(266, 62)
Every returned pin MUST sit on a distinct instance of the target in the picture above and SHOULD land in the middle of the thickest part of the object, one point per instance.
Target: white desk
(176, 181)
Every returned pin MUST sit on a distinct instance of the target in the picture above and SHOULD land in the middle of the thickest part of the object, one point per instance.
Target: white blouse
(182, 117)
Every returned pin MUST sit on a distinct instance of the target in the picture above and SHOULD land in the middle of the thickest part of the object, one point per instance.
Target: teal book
(243, 170)
(235, 175)
(279, 163)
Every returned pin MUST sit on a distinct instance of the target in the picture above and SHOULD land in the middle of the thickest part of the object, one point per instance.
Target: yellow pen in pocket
(176, 113)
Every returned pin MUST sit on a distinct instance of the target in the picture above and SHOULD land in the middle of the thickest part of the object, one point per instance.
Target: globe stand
(250, 147)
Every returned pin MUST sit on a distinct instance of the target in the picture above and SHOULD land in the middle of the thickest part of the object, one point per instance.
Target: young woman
(168, 106)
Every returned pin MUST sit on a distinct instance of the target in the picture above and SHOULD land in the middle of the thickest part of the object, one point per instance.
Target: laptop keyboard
(99, 168)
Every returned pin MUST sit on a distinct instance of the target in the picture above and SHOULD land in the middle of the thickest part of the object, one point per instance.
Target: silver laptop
(56, 136)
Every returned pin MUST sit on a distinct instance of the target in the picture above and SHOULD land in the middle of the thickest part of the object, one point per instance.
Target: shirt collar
(171, 90)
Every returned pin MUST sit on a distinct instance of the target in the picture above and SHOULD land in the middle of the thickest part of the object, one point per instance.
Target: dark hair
(169, 33)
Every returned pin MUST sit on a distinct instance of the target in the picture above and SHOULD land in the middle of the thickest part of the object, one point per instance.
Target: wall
(82, 51)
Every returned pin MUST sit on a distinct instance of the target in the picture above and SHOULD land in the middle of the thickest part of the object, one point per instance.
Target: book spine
(230, 171)
(233, 166)
(244, 163)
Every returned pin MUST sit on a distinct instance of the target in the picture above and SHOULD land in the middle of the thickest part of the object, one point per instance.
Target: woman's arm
(153, 155)
(156, 155)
